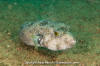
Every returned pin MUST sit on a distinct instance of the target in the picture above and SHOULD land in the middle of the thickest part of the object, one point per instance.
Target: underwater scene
(49, 32)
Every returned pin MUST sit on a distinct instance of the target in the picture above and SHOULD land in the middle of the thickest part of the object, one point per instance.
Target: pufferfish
(51, 35)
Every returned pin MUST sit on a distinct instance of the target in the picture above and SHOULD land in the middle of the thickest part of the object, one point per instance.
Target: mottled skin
(59, 43)
(46, 36)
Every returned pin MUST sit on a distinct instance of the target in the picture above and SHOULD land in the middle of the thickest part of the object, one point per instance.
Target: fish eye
(56, 33)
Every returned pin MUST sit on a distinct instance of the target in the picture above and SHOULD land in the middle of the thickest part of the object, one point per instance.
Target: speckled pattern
(51, 35)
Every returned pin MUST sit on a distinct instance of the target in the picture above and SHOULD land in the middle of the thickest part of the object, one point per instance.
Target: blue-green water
(46, 9)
